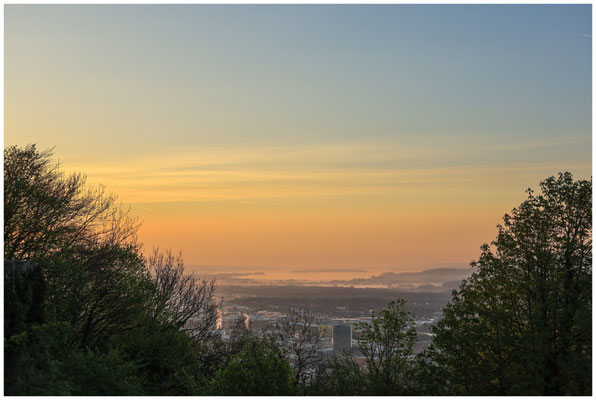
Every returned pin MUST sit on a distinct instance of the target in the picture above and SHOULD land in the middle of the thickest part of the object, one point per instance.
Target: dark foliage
(258, 369)
(522, 323)
(91, 316)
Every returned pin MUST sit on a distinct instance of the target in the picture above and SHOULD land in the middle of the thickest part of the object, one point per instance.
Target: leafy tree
(217, 350)
(101, 374)
(259, 369)
(92, 274)
(32, 360)
(387, 344)
(47, 212)
(341, 377)
(94, 316)
(167, 358)
(521, 324)
(100, 291)
(41, 361)
(88, 272)
(23, 300)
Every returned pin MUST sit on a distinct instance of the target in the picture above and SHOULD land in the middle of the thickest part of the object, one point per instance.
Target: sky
(279, 138)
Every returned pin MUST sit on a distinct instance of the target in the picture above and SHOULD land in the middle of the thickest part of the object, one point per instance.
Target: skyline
(387, 138)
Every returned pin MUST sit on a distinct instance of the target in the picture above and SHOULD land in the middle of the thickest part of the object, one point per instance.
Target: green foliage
(167, 357)
(387, 344)
(342, 377)
(90, 271)
(522, 323)
(42, 361)
(101, 374)
(32, 360)
(259, 369)
(90, 281)
(100, 291)
(23, 301)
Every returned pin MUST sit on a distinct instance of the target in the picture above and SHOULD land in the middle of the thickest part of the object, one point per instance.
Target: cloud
(318, 171)
(585, 34)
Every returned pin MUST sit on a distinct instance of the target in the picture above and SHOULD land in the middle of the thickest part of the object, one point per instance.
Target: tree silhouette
(46, 212)
(521, 324)
(298, 336)
(182, 300)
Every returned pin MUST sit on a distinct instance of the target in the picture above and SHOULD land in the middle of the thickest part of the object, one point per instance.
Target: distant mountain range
(430, 278)
(437, 279)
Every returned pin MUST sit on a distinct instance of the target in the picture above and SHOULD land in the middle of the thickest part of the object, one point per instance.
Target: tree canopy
(48, 212)
(89, 277)
(521, 324)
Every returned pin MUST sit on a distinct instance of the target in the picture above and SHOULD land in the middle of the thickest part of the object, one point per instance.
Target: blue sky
(303, 74)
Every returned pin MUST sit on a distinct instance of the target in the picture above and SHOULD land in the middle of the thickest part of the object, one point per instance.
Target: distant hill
(430, 280)
(438, 277)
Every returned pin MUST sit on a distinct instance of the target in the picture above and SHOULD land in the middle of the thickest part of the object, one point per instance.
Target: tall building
(342, 338)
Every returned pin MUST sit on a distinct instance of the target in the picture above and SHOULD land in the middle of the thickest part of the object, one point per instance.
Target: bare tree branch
(183, 300)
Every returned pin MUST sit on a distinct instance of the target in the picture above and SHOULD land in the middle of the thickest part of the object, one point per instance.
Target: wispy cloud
(247, 175)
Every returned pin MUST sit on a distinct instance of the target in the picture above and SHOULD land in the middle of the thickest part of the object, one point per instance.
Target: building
(342, 338)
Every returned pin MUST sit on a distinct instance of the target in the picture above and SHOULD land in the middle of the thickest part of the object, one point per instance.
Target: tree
(23, 299)
(46, 212)
(101, 374)
(90, 315)
(387, 344)
(83, 244)
(101, 291)
(42, 362)
(239, 335)
(182, 300)
(298, 335)
(33, 358)
(342, 376)
(521, 324)
(259, 369)
(168, 359)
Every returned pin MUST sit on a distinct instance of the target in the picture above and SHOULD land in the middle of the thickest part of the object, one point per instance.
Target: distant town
(337, 311)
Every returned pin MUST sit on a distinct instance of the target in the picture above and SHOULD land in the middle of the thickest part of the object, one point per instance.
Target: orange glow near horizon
(260, 211)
